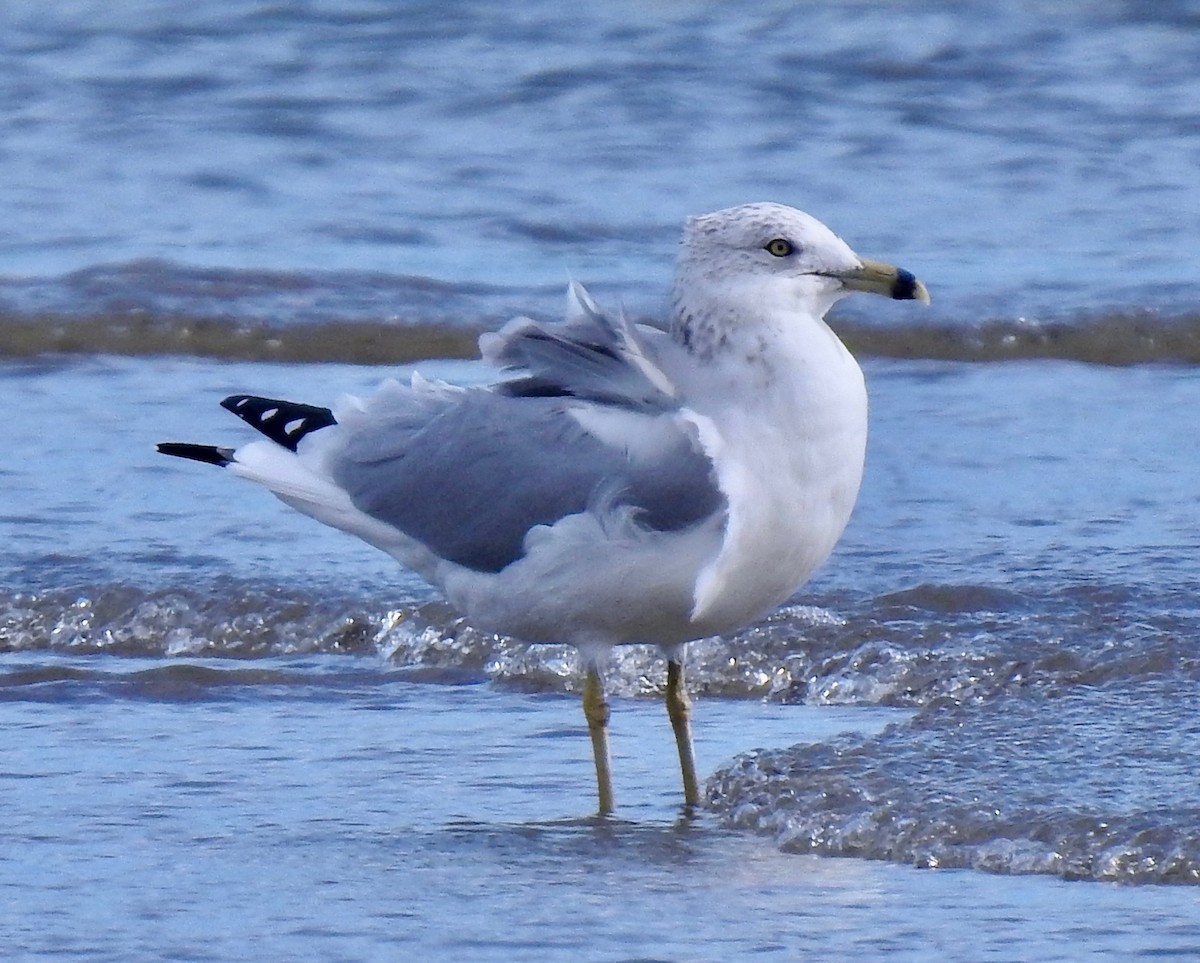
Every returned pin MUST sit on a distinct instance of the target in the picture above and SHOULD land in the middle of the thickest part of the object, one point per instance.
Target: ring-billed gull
(623, 483)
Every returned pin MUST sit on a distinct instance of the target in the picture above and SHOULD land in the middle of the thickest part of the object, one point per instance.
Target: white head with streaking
(623, 484)
(758, 264)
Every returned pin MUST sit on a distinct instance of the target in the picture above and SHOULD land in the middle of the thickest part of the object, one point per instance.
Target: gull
(617, 483)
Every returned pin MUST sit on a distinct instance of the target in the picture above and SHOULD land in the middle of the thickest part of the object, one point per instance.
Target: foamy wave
(914, 649)
(157, 307)
(1051, 782)
(1108, 338)
(1111, 339)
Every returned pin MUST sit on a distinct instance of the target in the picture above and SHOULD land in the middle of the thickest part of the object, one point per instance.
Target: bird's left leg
(595, 710)
(679, 709)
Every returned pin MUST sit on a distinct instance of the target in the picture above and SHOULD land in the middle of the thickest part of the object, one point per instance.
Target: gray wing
(472, 477)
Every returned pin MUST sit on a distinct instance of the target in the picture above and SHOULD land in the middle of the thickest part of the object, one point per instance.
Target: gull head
(769, 259)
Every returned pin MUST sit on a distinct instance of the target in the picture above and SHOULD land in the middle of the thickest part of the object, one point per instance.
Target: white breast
(790, 463)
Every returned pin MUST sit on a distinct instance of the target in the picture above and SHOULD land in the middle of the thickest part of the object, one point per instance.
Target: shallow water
(1028, 593)
(230, 728)
(359, 816)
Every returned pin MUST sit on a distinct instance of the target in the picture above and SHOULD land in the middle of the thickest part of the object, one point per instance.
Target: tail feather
(284, 422)
(208, 454)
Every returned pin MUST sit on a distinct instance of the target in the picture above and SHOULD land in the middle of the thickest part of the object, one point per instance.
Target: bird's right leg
(679, 709)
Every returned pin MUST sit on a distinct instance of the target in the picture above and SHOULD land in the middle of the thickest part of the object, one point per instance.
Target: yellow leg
(595, 710)
(679, 709)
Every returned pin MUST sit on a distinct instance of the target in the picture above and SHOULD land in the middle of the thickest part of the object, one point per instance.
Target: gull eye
(780, 247)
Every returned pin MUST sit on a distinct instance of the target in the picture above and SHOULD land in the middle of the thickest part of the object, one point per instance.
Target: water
(228, 727)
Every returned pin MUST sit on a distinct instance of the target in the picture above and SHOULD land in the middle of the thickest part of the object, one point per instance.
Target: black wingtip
(284, 422)
(208, 454)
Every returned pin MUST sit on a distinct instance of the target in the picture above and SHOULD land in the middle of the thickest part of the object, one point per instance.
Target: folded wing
(472, 480)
